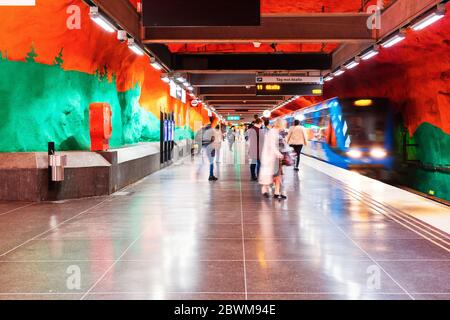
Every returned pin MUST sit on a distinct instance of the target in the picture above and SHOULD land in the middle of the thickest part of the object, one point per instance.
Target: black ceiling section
(196, 13)
(244, 98)
(304, 61)
(251, 91)
(222, 79)
(162, 52)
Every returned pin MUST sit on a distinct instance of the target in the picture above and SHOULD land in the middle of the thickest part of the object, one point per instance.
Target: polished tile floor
(175, 235)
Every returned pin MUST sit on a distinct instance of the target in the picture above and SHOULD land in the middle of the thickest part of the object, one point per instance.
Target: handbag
(287, 160)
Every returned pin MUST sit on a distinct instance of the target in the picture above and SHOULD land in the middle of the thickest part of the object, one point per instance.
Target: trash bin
(100, 118)
(58, 164)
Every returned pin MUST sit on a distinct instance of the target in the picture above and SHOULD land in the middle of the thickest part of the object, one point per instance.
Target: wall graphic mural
(51, 70)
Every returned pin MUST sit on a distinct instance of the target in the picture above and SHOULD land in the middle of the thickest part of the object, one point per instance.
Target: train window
(317, 129)
(365, 129)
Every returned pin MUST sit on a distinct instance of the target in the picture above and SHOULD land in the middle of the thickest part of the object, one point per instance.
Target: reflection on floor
(175, 235)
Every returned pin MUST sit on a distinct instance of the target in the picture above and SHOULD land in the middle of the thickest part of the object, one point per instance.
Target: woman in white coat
(271, 168)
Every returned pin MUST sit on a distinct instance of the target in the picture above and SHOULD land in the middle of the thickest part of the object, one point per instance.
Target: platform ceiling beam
(241, 104)
(222, 79)
(227, 91)
(402, 12)
(399, 14)
(123, 13)
(244, 98)
(251, 62)
(305, 28)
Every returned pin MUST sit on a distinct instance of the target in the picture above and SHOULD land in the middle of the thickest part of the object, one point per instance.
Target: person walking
(256, 143)
(296, 139)
(231, 137)
(209, 148)
(271, 161)
(266, 125)
(218, 142)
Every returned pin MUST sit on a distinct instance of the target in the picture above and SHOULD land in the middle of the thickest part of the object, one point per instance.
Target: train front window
(365, 130)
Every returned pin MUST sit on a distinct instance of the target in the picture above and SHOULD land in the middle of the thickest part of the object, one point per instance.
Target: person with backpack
(296, 139)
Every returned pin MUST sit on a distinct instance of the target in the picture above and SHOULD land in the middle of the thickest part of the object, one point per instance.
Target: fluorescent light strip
(370, 54)
(155, 64)
(102, 22)
(329, 78)
(352, 65)
(393, 41)
(135, 48)
(427, 21)
(338, 73)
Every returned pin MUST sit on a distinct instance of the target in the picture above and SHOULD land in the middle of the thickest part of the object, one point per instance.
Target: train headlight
(355, 153)
(378, 153)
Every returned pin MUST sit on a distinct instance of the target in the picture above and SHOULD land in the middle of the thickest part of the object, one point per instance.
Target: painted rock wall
(55, 61)
(415, 75)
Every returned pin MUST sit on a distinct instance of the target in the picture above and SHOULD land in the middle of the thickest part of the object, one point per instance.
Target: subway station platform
(174, 235)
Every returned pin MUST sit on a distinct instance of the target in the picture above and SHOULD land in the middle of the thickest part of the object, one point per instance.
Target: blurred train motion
(355, 134)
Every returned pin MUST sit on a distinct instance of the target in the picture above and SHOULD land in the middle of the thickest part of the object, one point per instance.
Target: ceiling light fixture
(392, 41)
(155, 64)
(101, 20)
(135, 48)
(353, 64)
(371, 53)
(339, 72)
(165, 78)
(181, 79)
(429, 19)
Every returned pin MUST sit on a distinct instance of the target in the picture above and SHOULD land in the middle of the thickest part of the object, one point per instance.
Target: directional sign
(289, 89)
(233, 118)
(288, 79)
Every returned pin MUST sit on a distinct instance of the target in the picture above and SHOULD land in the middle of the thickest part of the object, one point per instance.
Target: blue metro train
(356, 134)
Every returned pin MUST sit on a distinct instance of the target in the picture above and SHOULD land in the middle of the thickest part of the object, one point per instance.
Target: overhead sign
(289, 79)
(289, 89)
(233, 118)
